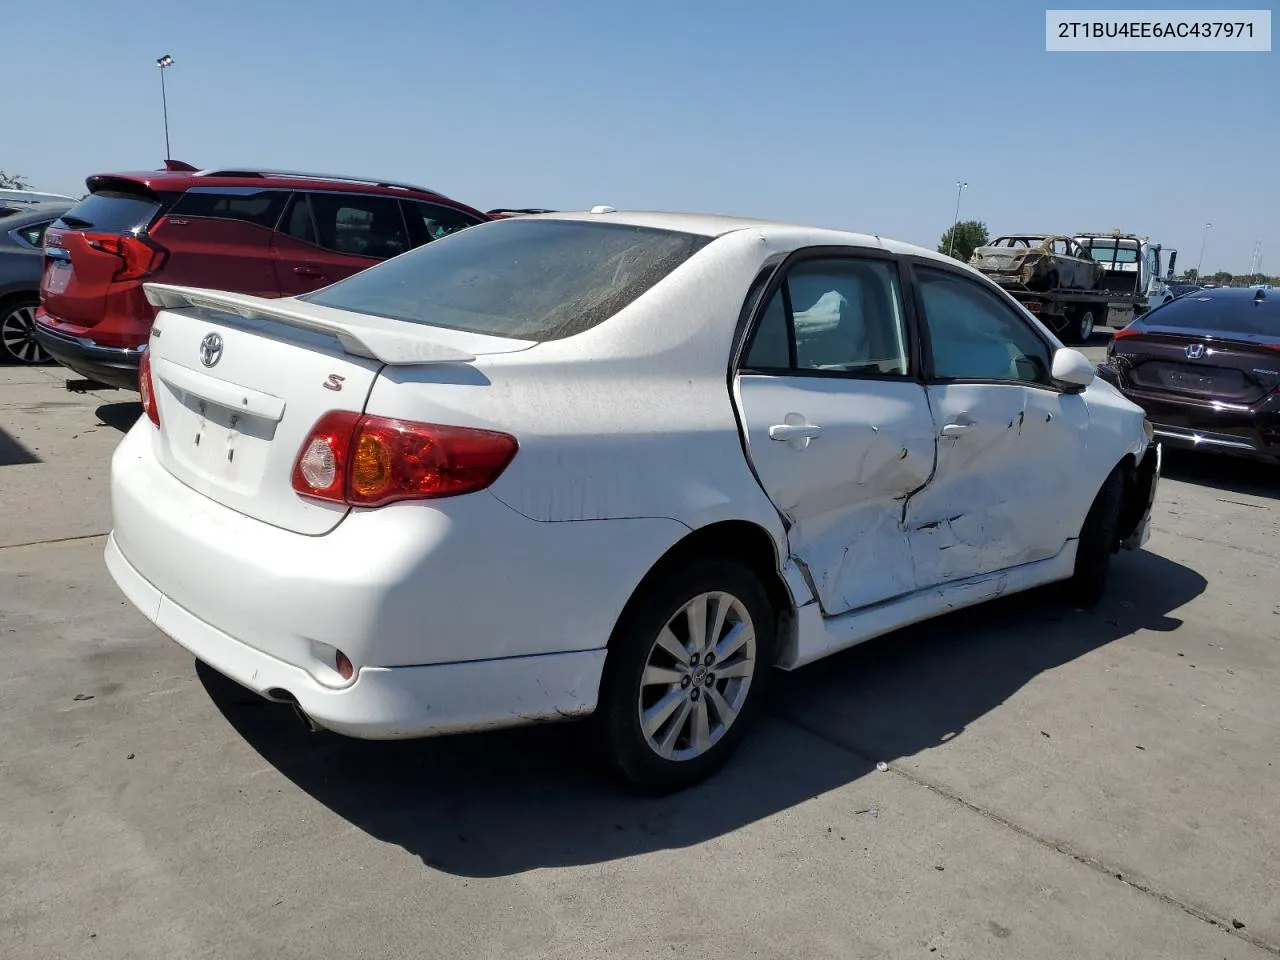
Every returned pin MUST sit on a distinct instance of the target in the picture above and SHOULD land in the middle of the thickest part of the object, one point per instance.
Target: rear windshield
(523, 279)
(1104, 252)
(110, 211)
(1219, 314)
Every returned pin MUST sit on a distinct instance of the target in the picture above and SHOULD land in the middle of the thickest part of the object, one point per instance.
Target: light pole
(164, 63)
(955, 222)
(1203, 242)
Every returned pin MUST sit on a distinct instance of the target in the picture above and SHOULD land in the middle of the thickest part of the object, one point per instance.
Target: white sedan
(609, 464)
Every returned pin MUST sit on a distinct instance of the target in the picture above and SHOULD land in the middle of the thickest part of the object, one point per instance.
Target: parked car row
(261, 232)
(23, 221)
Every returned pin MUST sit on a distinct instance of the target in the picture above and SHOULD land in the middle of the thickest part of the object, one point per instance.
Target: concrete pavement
(1061, 783)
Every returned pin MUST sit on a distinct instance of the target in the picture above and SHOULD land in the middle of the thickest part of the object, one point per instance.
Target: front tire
(685, 675)
(1097, 543)
(18, 332)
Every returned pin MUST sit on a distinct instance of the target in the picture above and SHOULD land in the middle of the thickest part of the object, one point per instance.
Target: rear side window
(33, 233)
(260, 207)
(524, 279)
(111, 211)
(1106, 252)
(429, 221)
(359, 226)
(837, 316)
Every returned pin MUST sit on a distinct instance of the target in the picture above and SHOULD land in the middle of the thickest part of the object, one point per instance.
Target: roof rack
(301, 175)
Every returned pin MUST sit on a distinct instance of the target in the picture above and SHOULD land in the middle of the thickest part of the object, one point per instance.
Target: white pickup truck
(1136, 270)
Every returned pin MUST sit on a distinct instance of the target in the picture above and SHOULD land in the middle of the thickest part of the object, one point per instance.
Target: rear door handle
(956, 429)
(308, 272)
(794, 431)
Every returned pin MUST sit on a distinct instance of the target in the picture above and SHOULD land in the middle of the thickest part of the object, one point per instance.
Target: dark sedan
(1206, 369)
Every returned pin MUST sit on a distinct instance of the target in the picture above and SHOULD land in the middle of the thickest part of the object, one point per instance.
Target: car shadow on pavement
(12, 453)
(502, 803)
(1226, 473)
(122, 416)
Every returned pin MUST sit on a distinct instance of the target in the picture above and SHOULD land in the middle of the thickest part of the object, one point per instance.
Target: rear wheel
(18, 332)
(1081, 325)
(1097, 543)
(686, 674)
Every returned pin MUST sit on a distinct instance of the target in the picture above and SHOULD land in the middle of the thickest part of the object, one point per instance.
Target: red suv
(262, 232)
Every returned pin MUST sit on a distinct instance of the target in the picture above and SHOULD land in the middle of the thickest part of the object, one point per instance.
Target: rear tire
(667, 719)
(18, 332)
(1081, 325)
(1097, 543)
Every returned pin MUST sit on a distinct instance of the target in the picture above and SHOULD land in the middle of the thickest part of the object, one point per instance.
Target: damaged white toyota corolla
(610, 464)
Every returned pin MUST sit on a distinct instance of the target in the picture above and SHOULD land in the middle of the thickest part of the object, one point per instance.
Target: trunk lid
(81, 261)
(999, 259)
(232, 429)
(1230, 368)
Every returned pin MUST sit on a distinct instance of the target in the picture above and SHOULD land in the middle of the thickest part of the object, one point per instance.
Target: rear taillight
(367, 461)
(1126, 332)
(138, 257)
(147, 389)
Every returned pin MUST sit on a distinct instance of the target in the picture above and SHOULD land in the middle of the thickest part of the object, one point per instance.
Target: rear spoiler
(394, 342)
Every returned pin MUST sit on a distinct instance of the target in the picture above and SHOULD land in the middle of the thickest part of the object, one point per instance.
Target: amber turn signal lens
(371, 466)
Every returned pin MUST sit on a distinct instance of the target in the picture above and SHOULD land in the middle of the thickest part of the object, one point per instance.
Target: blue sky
(853, 115)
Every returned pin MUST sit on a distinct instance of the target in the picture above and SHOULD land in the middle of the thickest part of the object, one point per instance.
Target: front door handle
(794, 431)
(956, 429)
(309, 272)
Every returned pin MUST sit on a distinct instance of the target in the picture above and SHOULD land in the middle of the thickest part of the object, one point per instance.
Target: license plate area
(218, 444)
(1187, 381)
(56, 278)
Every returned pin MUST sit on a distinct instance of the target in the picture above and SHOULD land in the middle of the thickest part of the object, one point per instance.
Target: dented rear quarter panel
(630, 419)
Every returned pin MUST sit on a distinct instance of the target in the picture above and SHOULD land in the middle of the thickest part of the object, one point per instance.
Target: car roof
(177, 181)
(715, 225)
(32, 196)
(1235, 293)
(16, 214)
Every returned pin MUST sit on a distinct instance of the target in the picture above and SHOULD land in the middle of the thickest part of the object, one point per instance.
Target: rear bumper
(383, 703)
(458, 614)
(1192, 424)
(113, 366)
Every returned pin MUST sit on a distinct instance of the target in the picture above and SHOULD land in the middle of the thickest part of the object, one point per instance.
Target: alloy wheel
(18, 336)
(697, 676)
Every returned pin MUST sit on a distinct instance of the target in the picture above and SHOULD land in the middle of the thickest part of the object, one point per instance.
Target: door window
(429, 221)
(298, 222)
(973, 335)
(359, 226)
(837, 316)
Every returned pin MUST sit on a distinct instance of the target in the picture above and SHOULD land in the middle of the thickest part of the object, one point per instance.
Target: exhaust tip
(280, 695)
(305, 717)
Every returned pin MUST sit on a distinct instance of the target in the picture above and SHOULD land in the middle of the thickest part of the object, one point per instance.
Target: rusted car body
(1039, 262)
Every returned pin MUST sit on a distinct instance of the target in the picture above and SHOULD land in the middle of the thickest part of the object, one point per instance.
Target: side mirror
(1073, 368)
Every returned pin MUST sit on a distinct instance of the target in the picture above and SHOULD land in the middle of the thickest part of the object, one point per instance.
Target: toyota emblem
(1195, 351)
(211, 349)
